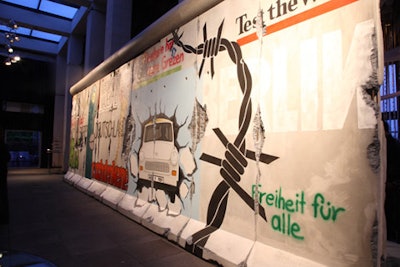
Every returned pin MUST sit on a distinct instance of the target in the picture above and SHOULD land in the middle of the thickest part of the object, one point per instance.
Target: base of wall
(233, 251)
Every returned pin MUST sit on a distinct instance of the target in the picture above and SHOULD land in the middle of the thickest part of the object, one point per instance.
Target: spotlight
(12, 24)
(7, 62)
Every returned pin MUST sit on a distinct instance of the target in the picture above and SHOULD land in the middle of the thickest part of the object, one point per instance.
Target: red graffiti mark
(110, 174)
(169, 44)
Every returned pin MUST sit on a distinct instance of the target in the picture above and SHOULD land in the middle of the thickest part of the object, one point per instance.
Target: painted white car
(158, 156)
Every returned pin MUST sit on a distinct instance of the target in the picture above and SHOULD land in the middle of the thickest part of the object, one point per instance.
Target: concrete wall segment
(239, 137)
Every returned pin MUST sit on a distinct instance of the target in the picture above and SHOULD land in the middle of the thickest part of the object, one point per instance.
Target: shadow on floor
(53, 220)
(21, 259)
(68, 228)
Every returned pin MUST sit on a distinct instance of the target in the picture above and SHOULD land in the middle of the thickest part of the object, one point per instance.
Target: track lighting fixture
(11, 37)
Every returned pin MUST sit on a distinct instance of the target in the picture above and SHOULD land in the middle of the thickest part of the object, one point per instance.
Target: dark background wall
(33, 82)
(29, 82)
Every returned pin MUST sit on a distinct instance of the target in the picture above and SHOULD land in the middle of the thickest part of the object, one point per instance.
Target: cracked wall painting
(169, 123)
(317, 124)
(257, 124)
(80, 128)
(109, 157)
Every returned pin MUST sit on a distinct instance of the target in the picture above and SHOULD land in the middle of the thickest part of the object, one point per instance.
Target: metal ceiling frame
(35, 48)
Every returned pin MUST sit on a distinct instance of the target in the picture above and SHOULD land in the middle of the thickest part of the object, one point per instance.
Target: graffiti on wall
(110, 120)
(321, 209)
(161, 60)
(233, 165)
(173, 127)
(159, 157)
(79, 131)
(162, 166)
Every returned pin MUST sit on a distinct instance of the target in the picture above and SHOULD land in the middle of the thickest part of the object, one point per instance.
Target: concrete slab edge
(235, 250)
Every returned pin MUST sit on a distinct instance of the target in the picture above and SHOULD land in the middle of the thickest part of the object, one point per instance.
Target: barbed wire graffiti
(236, 155)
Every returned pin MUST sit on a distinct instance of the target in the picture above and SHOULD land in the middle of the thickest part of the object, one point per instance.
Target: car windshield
(158, 132)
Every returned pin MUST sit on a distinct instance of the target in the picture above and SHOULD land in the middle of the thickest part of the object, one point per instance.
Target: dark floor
(53, 220)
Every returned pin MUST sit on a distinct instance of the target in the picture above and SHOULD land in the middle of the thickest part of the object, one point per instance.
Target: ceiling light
(15, 59)
(9, 49)
(12, 24)
(11, 37)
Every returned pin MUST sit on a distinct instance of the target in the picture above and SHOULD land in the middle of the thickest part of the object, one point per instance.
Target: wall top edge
(176, 17)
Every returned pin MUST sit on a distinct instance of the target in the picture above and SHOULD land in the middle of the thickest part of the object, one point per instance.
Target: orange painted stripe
(247, 39)
(306, 15)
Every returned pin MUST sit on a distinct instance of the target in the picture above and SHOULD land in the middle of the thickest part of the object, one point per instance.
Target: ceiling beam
(78, 18)
(32, 56)
(36, 45)
(85, 3)
(37, 21)
(61, 44)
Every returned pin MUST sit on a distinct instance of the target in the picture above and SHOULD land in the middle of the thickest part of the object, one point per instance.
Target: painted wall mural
(250, 131)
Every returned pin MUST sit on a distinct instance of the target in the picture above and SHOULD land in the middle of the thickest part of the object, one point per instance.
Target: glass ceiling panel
(58, 9)
(19, 30)
(34, 33)
(26, 3)
(23, 31)
(47, 6)
(46, 36)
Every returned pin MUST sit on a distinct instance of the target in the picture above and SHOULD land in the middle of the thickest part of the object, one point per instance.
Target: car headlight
(174, 157)
(141, 155)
